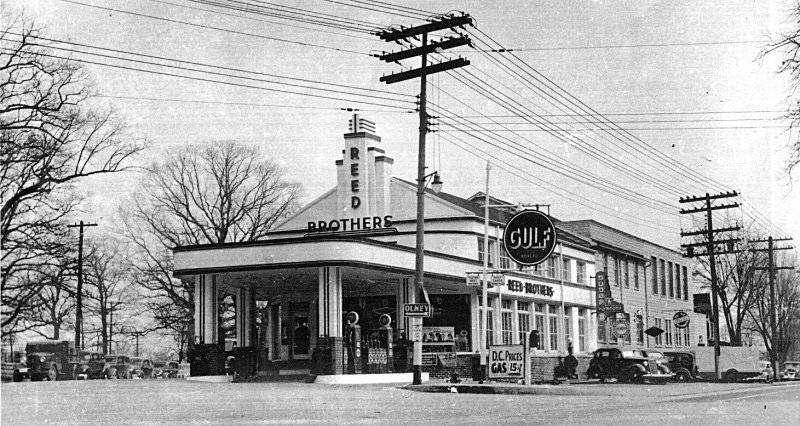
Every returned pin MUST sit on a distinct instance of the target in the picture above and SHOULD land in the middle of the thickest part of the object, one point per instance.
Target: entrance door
(300, 333)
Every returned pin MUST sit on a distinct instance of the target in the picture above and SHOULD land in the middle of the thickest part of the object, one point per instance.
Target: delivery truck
(736, 363)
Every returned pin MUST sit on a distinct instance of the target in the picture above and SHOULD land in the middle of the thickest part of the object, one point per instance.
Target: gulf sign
(529, 237)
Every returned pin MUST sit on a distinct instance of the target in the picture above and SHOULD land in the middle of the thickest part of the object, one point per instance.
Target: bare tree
(788, 46)
(108, 278)
(787, 310)
(54, 306)
(48, 142)
(224, 192)
(740, 284)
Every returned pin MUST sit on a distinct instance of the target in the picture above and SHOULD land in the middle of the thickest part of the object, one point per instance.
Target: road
(182, 402)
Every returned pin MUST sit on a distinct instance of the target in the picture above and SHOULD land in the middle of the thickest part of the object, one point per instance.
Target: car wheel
(635, 376)
(17, 376)
(683, 376)
(592, 373)
(52, 374)
(731, 376)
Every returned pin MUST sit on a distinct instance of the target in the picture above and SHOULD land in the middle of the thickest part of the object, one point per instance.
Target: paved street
(178, 401)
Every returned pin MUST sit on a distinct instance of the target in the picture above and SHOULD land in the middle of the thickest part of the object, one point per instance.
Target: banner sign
(605, 302)
(506, 362)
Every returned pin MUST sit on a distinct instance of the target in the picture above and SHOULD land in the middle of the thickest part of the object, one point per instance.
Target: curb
(501, 389)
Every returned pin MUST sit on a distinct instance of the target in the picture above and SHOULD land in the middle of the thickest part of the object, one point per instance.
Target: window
(663, 270)
(506, 318)
(602, 326)
(685, 284)
(677, 336)
(539, 323)
(581, 269)
(636, 275)
(671, 282)
(489, 319)
(552, 321)
(567, 326)
(655, 274)
(524, 319)
(659, 338)
(566, 271)
(480, 249)
(616, 272)
(639, 330)
(668, 332)
(678, 281)
(492, 251)
(582, 330)
(686, 337)
(626, 274)
(505, 261)
(550, 269)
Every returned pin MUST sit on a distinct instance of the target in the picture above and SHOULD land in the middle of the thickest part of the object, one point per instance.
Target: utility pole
(711, 252)
(445, 22)
(79, 293)
(771, 268)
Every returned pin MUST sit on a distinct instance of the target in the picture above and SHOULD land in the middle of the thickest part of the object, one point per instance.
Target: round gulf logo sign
(529, 237)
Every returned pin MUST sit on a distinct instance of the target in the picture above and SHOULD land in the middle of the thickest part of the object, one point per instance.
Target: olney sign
(529, 237)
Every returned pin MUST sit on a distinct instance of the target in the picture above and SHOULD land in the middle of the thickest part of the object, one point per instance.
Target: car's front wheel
(635, 375)
(683, 376)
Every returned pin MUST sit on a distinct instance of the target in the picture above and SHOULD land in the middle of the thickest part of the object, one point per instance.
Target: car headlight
(42, 359)
(646, 364)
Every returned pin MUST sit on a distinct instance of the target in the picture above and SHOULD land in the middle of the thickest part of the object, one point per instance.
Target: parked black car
(50, 359)
(683, 365)
(624, 365)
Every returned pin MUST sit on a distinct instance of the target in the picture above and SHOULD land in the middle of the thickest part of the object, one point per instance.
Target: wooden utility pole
(79, 293)
(439, 23)
(771, 268)
(711, 252)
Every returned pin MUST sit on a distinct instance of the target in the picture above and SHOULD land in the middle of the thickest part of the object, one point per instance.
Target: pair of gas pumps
(353, 343)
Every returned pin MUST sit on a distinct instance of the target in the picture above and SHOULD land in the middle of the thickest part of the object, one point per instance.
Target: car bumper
(658, 376)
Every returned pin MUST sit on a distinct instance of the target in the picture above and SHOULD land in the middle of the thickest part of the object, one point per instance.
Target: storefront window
(524, 319)
(552, 311)
(506, 319)
(539, 322)
(581, 267)
(567, 325)
(581, 330)
(668, 331)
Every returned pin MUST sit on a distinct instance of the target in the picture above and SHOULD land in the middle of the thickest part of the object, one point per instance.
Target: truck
(736, 363)
(51, 360)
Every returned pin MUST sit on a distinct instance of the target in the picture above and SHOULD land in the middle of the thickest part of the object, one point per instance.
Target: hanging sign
(529, 237)
(681, 319)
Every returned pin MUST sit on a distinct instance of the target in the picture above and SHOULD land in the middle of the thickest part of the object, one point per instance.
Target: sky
(681, 60)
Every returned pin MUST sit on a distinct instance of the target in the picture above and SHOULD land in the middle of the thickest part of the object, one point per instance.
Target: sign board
(473, 280)
(622, 327)
(417, 310)
(681, 319)
(438, 334)
(529, 237)
(416, 332)
(702, 303)
(605, 302)
(506, 361)
(498, 280)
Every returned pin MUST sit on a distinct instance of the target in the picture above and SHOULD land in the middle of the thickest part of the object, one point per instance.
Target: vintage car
(170, 369)
(790, 370)
(657, 357)
(629, 365)
(15, 366)
(118, 367)
(682, 365)
(92, 366)
(50, 360)
(141, 368)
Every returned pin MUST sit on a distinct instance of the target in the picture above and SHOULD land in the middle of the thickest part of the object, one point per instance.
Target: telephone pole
(79, 293)
(711, 252)
(445, 22)
(771, 268)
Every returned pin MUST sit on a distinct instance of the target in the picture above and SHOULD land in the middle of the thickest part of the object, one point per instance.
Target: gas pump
(353, 343)
(386, 330)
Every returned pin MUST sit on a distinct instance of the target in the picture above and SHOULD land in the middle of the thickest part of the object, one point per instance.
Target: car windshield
(632, 354)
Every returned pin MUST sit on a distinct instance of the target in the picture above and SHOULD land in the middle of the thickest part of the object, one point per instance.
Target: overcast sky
(710, 65)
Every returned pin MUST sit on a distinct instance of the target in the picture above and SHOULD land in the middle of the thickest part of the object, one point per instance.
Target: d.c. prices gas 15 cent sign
(506, 361)
(529, 237)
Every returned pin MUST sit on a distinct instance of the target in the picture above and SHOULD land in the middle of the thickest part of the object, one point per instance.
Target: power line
(363, 5)
(627, 46)
(215, 81)
(203, 64)
(594, 129)
(209, 27)
(249, 104)
(641, 113)
(185, 6)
